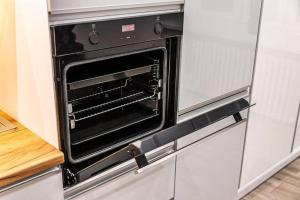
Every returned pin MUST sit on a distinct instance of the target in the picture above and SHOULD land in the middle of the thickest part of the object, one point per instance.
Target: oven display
(128, 28)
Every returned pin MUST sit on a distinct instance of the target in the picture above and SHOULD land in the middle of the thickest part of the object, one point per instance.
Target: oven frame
(65, 131)
(172, 49)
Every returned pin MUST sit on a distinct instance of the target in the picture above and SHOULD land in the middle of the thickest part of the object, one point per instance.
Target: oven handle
(182, 150)
(140, 148)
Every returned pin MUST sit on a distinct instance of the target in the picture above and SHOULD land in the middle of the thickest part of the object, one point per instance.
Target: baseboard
(243, 191)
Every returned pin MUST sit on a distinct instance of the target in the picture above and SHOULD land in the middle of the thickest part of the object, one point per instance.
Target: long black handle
(183, 129)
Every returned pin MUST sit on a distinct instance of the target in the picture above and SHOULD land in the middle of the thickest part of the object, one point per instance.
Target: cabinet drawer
(48, 186)
(156, 183)
(210, 168)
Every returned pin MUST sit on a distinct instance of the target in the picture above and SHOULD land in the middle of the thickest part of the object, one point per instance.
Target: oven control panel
(74, 38)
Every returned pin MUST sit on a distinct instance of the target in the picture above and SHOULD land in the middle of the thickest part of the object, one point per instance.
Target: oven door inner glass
(114, 101)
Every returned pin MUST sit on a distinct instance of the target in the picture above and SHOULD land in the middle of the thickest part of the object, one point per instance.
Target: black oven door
(138, 149)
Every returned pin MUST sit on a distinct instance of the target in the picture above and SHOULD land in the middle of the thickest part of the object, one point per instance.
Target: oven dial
(94, 37)
(158, 28)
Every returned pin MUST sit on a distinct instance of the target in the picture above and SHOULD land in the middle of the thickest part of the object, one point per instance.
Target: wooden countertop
(23, 154)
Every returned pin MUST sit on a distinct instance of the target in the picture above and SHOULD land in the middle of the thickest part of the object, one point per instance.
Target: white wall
(32, 99)
(276, 89)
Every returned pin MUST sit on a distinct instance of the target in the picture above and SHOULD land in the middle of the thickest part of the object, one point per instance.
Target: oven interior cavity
(113, 101)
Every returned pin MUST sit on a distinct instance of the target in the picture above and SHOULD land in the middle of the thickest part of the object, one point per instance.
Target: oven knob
(94, 37)
(158, 28)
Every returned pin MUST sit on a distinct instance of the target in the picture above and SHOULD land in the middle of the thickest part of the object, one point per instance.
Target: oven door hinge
(69, 177)
(140, 157)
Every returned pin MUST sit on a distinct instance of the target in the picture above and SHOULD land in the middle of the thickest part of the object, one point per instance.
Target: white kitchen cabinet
(297, 133)
(210, 168)
(48, 186)
(26, 77)
(26, 81)
(219, 42)
(276, 91)
(66, 11)
(63, 11)
(156, 183)
(92, 5)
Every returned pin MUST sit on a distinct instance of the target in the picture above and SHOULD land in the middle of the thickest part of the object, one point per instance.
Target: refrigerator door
(218, 52)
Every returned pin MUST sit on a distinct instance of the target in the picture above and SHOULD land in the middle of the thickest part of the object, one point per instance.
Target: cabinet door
(276, 90)
(154, 184)
(219, 42)
(210, 169)
(61, 6)
(47, 187)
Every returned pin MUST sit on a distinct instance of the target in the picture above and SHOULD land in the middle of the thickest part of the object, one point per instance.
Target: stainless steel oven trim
(165, 78)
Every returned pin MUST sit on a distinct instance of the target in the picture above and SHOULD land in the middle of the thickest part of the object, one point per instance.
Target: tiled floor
(285, 185)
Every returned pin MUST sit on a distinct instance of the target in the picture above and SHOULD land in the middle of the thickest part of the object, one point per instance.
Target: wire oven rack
(77, 100)
(106, 107)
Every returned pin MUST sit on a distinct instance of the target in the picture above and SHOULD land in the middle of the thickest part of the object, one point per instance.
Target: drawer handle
(155, 163)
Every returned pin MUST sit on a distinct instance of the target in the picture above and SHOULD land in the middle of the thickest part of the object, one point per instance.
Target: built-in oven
(116, 82)
(116, 85)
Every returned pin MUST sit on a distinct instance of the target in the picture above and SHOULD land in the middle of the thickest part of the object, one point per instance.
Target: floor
(285, 185)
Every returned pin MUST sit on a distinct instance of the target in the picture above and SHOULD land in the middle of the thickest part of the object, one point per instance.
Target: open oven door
(148, 165)
(139, 149)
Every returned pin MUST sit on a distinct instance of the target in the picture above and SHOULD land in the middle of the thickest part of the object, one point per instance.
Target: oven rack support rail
(111, 77)
(131, 99)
